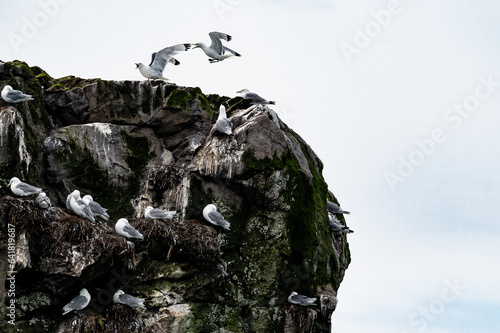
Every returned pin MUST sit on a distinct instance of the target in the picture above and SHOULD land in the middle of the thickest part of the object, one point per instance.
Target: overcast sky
(400, 100)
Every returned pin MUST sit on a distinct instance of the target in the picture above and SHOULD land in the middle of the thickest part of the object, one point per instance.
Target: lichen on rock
(132, 144)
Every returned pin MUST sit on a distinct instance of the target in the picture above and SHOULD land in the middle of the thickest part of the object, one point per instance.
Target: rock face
(134, 144)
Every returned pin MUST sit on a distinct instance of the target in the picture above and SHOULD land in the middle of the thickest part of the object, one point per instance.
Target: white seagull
(22, 189)
(297, 299)
(211, 214)
(14, 96)
(123, 228)
(159, 60)
(96, 208)
(78, 303)
(134, 302)
(42, 200)
(78, 206)
(335, 225)
(256, 99)
(216, 51)
(334, 208)
(158, 214)
(223, 125)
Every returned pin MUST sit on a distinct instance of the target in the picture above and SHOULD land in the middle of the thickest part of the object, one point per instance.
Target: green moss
(179, 98)
(139, 153)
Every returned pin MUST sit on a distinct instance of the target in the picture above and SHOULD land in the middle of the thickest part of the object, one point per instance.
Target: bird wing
(153, 58)
(225, 48)
(256, 98)
(216, 43)
(77, 303)
(216, 218)
(96, 208)
(157, 213)
(28, 188)
(132, 231)
(303, 299)
(131, 300)
(16, 94)
(224, 126)
(159, 59)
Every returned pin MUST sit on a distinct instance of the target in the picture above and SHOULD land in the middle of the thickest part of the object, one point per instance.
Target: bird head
(137, 65)
(197, 45)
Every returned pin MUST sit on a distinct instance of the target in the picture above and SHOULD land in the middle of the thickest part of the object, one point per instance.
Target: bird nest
(188, 240)
(116, 319)
(20, 213)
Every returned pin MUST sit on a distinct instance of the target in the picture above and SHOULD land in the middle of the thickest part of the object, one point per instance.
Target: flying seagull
(123, 228)
(78, 303)
(157, 214)
(334, 208)
(14, 96)
(297, 299)
(95, 207)
(216, 51)
(43, 201)
(211, 214)
(256, 99)
(335, 225)
(78, 206)
(223, 125)
(22, 189)
(159, 60)
(134, 302)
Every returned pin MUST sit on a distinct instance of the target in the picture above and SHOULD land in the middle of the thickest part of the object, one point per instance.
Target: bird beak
(194, 46)
(136, 65)
(239, 91)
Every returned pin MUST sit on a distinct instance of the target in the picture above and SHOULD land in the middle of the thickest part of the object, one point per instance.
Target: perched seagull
(123, 228)
(96, 208)
(334, 208)
(22, 189)
(134, 302)
(335, 225)
(211, 214)
(223, 125)
(78, 206)
(256, 99)
(43, 201)
(78, 303)
(159, 60)
(158, 214)
(14, 96)
(297, 299)
(216, 51)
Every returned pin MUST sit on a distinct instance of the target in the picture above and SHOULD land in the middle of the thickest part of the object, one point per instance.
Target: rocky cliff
(131, 144)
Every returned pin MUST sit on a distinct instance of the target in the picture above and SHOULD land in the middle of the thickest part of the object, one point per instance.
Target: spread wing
(159, 59)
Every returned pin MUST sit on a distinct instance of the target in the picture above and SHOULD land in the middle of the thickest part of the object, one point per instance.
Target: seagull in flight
(14, 96)
(216, 51)
(159, 60)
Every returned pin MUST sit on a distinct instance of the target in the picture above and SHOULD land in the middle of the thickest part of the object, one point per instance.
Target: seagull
(134, 302)
(216, 51)
(123, 228)
(335, 225)
(14, 96)
(211, 214)
(159, 60)
(334, 208)
(297, 299)
(157, 214)
(78, 206)
(22, 189)
(223, 125)
(256, 99)
(43, 201)
(78, 303)
(95, 207)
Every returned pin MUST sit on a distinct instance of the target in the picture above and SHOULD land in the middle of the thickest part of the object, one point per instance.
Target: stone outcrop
(134, 144)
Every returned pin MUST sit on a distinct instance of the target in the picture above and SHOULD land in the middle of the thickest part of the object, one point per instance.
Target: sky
(399, 99)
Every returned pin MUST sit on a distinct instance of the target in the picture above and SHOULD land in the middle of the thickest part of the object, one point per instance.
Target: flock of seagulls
(89, 209)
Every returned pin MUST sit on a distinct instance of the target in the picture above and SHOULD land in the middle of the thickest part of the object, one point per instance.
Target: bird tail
(272, 102)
